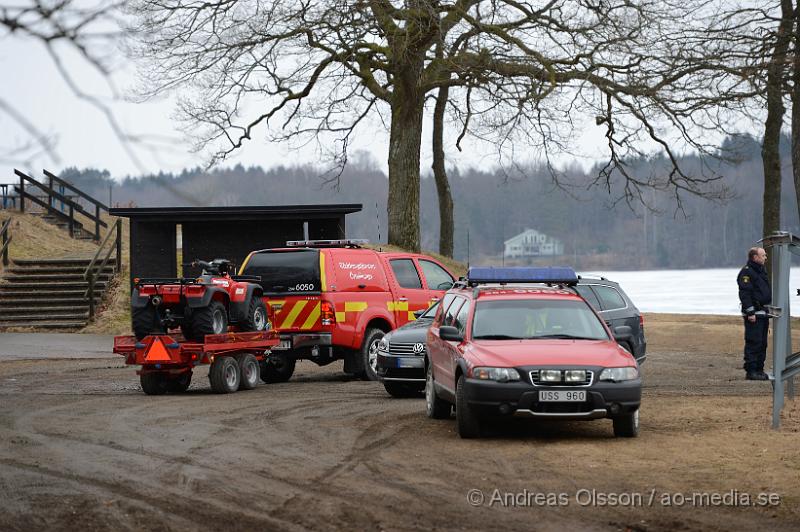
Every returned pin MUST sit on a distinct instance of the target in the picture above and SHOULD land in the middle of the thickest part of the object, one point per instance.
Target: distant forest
(491, 206)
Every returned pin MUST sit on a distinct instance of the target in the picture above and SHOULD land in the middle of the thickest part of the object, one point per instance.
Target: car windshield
(517, 319)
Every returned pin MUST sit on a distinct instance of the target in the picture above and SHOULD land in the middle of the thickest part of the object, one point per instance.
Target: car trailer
(167, 360)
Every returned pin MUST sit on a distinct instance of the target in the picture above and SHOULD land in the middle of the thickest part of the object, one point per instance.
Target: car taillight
(327, 313)
(641, 322)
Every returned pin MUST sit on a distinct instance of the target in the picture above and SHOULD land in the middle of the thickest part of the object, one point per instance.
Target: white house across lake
(532, 243)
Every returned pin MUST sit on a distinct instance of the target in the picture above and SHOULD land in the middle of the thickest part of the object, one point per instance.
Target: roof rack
(344, 243)
(523, 274)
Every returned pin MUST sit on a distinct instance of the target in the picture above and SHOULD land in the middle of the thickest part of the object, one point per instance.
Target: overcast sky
(84, 137)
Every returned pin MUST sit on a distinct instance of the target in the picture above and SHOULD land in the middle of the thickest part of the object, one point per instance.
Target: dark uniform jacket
(754, 289)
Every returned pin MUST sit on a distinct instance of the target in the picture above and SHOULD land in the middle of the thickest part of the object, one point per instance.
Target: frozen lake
(707, 291)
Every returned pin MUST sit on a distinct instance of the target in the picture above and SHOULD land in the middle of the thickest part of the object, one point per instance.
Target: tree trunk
(404, 145)
(770, 147)
(796, 110)
(446, 226)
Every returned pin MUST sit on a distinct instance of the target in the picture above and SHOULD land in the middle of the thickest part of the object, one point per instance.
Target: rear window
(609, 298)
(406, 273)
(286, 272)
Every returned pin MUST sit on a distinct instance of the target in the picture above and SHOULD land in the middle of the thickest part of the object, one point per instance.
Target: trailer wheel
(181, 383)
(224, 375)
(145, 321)
(279, 368)
(256, 319)
(250, 372)
(153, 383)
(212, 319)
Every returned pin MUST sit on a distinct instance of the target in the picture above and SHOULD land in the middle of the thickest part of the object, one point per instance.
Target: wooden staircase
(51, 293)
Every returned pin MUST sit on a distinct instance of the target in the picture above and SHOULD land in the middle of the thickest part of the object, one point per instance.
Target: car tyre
(224, 375)
(469, 423)
(145, 321)
(279, 368)
(212, 319)
(435, 407)
(153, 383)
(402, 389)
(250, 372)
(627, 426)
(369, 353)
(256, 319)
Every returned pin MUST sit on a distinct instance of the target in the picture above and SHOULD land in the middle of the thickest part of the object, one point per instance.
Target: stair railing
(89, 274)
(5, 238)
(53, 195)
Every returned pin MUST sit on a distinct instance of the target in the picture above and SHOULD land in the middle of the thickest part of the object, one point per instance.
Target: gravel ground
(84, 448)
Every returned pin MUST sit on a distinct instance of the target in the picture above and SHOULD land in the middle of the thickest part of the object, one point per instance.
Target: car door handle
(402, 298)
(437, 299)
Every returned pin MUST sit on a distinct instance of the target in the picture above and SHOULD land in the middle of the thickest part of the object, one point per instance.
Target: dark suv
(618, 311)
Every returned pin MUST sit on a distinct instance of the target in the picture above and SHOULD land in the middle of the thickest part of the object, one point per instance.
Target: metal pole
(21, 194)
(119, 245)
(91, 294)
(781, 341)
(97, 222)
(5, 249)
(71, 222)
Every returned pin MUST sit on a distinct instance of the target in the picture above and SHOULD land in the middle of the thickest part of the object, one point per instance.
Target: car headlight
(496, 374)
(619, 374)
(383, 345)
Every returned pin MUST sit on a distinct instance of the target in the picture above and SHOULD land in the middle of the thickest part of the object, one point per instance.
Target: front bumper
(521, 399)
(406, 368)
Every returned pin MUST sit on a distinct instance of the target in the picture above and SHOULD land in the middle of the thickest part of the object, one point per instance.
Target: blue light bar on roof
(522, 274)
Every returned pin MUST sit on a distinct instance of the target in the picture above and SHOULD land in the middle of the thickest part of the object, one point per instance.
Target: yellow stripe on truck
(350, 306)
(296, 310)
(322, 280)
(241, 268)
(393, 306)
(313, 317)
(355, 306)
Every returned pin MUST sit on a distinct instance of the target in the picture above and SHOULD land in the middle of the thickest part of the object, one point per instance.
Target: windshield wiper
(566, 337)
(498, 337)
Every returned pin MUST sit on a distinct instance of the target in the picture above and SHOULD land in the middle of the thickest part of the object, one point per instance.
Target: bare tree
(315, 71)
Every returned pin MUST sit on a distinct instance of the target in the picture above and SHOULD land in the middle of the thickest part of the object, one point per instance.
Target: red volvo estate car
(522, 342)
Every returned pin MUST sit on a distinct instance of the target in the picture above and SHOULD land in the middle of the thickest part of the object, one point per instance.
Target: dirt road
(82, 448)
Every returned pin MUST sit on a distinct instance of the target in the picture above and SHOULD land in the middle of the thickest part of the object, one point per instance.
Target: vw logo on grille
(418, 348)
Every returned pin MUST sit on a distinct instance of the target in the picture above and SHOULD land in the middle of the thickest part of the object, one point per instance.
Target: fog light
(505, 409)
(575, 375)
(550, 375)
(614, 408)
(155, 300)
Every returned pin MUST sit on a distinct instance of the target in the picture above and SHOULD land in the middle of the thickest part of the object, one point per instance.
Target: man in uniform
(754, 294)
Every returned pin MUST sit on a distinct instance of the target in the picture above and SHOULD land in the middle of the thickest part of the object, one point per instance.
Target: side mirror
(420, 312)
(444, 286)
(623, 332)
(449, 333)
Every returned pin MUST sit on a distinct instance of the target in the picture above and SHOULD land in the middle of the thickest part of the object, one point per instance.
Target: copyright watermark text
(595, 498)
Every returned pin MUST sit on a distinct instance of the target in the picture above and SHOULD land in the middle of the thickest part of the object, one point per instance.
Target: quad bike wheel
(212, 319)
(145, 321)
(256, 319)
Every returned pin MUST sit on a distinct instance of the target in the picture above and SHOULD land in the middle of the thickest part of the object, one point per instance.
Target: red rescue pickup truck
(334, 299)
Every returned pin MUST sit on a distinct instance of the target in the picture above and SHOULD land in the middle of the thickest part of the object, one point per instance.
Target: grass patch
(34, 238)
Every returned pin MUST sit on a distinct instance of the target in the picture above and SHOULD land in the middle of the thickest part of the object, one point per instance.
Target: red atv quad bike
(199, 306)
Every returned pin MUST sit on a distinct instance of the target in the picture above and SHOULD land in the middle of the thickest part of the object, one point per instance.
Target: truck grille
(536, 382)
(407, 349)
